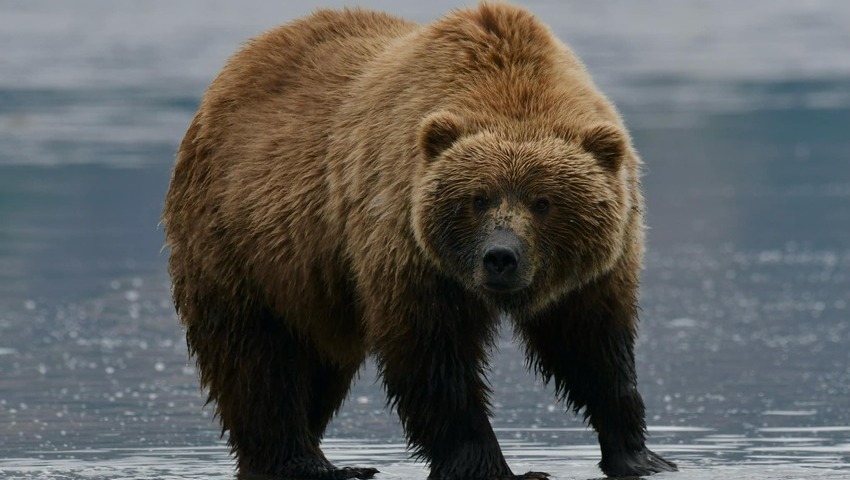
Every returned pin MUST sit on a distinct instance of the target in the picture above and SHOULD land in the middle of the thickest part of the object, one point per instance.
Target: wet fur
(316, 215)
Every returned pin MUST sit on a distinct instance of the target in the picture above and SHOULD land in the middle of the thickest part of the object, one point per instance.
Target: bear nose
(500, 260)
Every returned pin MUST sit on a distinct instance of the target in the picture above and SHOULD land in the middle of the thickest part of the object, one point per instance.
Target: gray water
(740, 110)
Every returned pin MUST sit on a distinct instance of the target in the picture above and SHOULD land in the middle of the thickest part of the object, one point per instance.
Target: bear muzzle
(502, 263)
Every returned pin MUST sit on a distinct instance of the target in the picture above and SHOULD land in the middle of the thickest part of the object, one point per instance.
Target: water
(741, 114)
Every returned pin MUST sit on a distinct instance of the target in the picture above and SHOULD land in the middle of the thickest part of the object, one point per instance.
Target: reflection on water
(799, 458)
(741, 120)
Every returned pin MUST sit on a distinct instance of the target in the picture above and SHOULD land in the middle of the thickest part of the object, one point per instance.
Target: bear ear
(438, 132)
(606, 142)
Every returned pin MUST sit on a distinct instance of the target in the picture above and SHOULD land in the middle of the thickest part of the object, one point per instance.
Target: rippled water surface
(741, 112)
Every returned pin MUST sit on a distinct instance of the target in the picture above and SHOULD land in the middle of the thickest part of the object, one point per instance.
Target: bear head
(521, 213)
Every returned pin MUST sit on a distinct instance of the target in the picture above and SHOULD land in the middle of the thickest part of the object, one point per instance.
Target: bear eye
(479, 203)
(541, 205)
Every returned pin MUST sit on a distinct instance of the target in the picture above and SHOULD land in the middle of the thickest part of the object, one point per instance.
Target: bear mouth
(502, 287)
(510, 299)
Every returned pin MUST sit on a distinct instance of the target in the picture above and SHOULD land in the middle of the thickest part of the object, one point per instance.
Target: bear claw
(532, 476)
(354, 472)
(345, 473)
(643, 462)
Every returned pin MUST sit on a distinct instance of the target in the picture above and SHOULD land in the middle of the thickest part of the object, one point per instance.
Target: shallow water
(741, 117)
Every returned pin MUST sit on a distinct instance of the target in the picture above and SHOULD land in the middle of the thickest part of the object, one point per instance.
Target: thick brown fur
(334, 197)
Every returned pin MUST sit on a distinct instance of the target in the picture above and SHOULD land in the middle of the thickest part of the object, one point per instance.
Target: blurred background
(741, 112)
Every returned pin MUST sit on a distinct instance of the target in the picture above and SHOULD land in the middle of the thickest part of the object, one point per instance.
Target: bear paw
(508, 476)
(531, 476)
(642, 462)
(346, 473)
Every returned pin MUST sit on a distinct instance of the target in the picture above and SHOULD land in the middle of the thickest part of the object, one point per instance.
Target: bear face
(520, 219)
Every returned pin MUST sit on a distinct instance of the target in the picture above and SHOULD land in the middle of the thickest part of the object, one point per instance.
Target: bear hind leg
(331, 383)
(266, 382)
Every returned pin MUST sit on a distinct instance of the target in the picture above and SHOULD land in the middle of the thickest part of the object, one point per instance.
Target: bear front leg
(585, 343)
(431, 361)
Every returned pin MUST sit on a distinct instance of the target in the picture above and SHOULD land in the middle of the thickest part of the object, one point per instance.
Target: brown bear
(355, 184)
